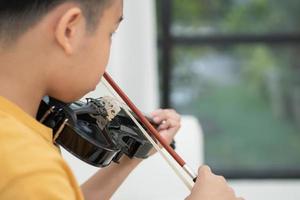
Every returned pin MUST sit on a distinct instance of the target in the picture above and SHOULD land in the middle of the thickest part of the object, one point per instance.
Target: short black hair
(17, 16)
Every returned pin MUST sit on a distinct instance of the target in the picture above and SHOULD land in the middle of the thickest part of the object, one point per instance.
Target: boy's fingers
(165, 115)
(164, 125)
(171, 113)
(157, 119)
(204, 170)
(169, 123)
(156, 112)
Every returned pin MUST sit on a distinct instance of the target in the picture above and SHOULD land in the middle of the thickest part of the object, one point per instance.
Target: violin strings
(170, 161)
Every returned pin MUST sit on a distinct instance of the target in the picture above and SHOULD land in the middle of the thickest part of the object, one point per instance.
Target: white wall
(267, 189)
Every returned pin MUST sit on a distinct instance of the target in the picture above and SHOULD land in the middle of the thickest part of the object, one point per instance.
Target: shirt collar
(15, 111)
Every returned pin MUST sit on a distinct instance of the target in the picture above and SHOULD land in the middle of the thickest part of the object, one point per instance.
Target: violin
(97, 131)
(101, 131)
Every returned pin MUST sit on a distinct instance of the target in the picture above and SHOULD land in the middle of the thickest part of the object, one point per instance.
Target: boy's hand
(168, 121)
(208, 186)
(211, 187)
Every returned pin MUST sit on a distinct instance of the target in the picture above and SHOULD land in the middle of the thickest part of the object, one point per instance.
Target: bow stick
(152, 130)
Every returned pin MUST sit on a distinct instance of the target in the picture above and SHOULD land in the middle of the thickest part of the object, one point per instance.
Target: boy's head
(18, 16)
(65, 42)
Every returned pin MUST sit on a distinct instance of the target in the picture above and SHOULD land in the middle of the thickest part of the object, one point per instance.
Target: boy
(60, 48)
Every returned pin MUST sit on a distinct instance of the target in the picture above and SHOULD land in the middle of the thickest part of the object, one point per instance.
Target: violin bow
(189, 177)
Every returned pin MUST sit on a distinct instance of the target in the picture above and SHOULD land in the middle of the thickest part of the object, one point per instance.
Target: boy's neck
(28, 103)
(20, 83)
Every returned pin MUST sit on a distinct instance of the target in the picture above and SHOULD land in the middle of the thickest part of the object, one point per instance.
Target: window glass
(247, 99)
(246, 96)
(205, 17)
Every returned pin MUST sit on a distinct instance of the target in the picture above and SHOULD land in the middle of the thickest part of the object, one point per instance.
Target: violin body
(96, 131)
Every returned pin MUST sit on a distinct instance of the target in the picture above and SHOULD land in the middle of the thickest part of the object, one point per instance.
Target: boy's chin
(69, 98)
(75, 95)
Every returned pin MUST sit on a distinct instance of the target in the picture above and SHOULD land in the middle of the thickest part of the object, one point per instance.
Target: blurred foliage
(242, 127)
(238, 16)
(247, 97)
(260, 62)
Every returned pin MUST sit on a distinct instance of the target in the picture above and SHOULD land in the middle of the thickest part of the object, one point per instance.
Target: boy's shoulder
(21, 146)
(31, 163)
(13, 129)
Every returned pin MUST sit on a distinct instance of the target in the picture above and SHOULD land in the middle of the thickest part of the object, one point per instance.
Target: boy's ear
(68, 29)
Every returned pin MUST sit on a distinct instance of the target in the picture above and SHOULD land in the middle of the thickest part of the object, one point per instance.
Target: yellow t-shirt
(31, 166)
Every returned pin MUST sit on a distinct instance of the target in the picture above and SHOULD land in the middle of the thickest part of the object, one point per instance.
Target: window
(235, 65)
